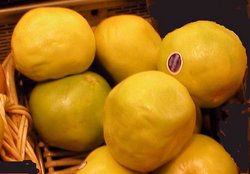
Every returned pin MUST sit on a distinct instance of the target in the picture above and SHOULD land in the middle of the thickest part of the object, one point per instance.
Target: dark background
(228, 118)
(231, 125)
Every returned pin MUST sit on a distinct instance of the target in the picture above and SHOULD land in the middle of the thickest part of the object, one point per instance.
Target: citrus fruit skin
(126, 44)
(100, 161)
(213, 65)
(2, 80)
(144, 114)
(202, 155)
(67, 113)
(52, 42)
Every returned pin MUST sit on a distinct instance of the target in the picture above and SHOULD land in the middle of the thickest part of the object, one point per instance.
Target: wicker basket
(20, 140)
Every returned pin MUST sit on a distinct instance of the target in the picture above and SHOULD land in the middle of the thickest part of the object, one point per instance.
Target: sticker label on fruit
(174, 63)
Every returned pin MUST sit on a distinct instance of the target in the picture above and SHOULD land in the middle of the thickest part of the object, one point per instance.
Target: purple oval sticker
(174, 63)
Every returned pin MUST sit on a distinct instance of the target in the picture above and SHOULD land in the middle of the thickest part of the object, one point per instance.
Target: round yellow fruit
(207, 58)
(126, 44)
(67, 112)
(100, 161)
(202, 155)
(144, 114)
(52, 42)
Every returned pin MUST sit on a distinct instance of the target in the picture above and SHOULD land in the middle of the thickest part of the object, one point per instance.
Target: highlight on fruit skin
(207, 58)
(201, 155)
(126, 44)
(51, 43)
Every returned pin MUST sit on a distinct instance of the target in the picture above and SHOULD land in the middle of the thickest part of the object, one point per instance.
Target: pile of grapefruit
(124, 94)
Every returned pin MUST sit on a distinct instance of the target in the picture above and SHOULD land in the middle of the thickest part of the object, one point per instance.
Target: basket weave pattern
(17, 144)
(21, 142)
